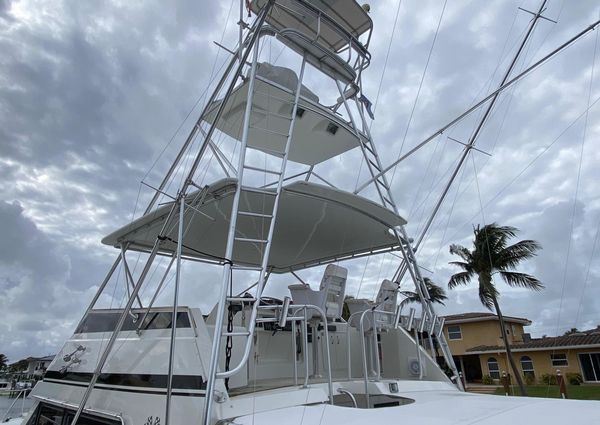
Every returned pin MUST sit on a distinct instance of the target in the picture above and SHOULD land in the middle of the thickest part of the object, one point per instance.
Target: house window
(493, 368)
(590, 366)
(527, 367)
(454, 332)
(559, 360)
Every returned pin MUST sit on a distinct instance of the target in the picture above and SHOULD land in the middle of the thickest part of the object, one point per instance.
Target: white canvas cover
(315, 224)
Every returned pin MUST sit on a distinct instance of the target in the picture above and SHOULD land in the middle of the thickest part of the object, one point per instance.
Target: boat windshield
(47, 414)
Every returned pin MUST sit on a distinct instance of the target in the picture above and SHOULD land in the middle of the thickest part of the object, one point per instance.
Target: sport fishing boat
(246, 195)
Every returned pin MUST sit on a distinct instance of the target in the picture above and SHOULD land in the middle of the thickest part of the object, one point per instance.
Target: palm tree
(436, 294)
(492, 255)
(3, 362)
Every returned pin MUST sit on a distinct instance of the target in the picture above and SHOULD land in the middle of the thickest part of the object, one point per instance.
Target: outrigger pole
(401, 270)
(478, 104)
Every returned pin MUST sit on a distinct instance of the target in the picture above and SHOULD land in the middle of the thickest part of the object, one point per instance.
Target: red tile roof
(475, 317)
(585, 338)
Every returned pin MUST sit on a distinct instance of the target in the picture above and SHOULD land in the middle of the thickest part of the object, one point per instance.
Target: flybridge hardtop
(313, 355)
(312, 219)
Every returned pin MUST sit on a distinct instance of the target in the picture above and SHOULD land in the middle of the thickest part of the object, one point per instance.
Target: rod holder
(423, 322)
(283, 315)
(432, 326)
(441, 328)
(397, 317)
(411, 318)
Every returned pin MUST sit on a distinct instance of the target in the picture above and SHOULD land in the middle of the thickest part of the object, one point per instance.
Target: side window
(527, 367)
(454, 332)
(493, 368)
(559, 360)
(51, 415)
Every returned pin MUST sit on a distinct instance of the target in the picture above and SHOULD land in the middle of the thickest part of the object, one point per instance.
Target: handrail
(21, 392)
(349, 394)
(375, 345)
(352, 42)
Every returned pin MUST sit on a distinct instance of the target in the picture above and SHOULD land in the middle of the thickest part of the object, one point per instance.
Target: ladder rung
(266, 130)
(263, 170)
(374, 165)
(251, 214)
(248, 268)
(258, 190)
(382, 183)
(241, 299)
(366, 145)
(251, 240)
(242, 333)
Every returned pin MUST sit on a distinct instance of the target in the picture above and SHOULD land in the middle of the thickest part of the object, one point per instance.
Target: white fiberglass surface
(314, 224)
(318, 134)
(440, 408)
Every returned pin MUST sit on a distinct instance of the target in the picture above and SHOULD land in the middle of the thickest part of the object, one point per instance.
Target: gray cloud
(90, 94)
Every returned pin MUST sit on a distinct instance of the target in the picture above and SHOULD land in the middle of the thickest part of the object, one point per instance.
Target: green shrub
(529, 379)
(574, 378)
(548, 379)
(487, 380)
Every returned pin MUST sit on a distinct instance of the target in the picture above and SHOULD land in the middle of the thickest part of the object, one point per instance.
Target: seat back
(387, 299)
(333, 285)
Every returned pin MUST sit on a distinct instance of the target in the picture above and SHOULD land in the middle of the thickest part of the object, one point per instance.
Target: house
(478, 349)
(36, 366)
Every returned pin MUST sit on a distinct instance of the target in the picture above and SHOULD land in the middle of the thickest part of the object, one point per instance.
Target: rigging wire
(576, 195)
(387, 55)
(523, 170)
(412, 112)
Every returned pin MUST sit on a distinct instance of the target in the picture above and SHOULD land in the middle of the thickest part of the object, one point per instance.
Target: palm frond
(487, 294)
(462, 264)
(436, 293)
(521, 280)
(462, 252)
(461, 278)
(512, 255)
(410, 297)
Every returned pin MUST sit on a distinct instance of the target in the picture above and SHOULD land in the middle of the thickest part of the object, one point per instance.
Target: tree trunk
(516, 372)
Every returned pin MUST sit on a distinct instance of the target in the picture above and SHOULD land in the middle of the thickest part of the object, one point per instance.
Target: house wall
(486, 332)
(542, 363)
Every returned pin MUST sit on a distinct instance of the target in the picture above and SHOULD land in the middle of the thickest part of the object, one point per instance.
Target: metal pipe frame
(216, 342)
(480, 103)
(159, 287)
(174, 316)
(261, 280)
(129, 277)
(121, 321)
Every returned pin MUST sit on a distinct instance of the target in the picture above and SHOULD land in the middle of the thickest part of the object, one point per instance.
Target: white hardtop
(348, 14)
(312, 221)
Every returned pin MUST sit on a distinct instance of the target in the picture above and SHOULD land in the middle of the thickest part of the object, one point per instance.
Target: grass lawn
(576, 392)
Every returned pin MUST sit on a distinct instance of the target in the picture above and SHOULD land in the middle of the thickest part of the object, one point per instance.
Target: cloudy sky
(91, 93)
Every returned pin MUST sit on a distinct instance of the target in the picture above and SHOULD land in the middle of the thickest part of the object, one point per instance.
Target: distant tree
(491, 255)
(19, 366)
(345, 308)
(571, 331)
(436, 294)
(3, 362)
